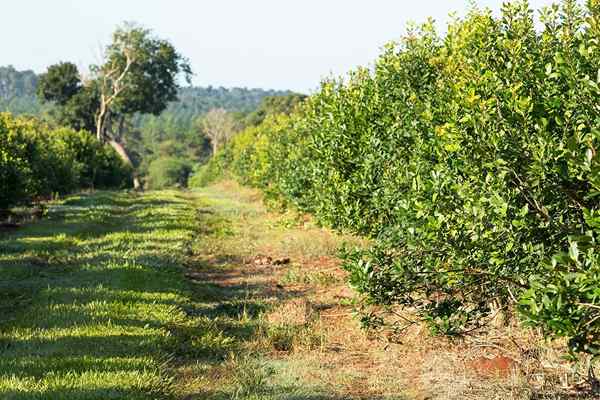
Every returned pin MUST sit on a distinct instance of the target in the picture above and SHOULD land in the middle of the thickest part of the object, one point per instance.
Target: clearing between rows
(202, 295)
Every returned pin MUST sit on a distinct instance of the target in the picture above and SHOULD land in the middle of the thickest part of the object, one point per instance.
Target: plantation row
(38, 162)
(470, 159)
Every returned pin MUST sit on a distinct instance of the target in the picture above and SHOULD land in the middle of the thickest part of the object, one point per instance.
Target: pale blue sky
(276, 44)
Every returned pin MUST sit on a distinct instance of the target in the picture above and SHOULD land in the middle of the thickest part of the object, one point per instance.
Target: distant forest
(17, 91)
(17, 95)
(174, 133)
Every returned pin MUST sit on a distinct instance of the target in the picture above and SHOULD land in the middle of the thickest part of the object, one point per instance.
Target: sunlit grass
(94, 302)
(92, 298)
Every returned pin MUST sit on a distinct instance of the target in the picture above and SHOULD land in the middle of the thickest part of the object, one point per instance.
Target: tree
(77, 101)
(60, 83)
(139, 75)
(219, 126)
(16, 84)
(80, 111)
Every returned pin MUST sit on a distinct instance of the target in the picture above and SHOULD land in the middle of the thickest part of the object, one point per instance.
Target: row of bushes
(38, 162)
(471, 160)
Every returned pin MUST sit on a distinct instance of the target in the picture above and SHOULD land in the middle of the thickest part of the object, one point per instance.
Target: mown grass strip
(92, 299)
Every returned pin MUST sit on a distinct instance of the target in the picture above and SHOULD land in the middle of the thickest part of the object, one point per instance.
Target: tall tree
(80, 111)
(139, 75)
(60, 83)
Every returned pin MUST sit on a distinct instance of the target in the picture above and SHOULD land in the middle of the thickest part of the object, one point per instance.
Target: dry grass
(310, 334)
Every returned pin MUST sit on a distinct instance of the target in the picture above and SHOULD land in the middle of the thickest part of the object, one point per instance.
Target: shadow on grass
(91, 300)
(95, 294)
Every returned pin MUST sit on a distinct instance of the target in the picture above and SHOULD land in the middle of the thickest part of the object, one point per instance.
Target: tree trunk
(120, 149)
(100, 128)
(121, 127)
(100, 121)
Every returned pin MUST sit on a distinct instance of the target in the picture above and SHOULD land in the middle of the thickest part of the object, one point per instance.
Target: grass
(93, 299)
(177, 295)
(306, 342)
(126, 296)
(288, 351)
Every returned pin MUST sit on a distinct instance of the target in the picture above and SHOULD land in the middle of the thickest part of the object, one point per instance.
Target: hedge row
(471, 160)
(37, 162)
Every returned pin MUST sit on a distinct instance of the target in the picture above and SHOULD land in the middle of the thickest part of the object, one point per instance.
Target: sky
(270, 44)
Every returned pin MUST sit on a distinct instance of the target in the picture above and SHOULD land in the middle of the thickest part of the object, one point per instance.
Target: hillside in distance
(17, 91)
(17, 95)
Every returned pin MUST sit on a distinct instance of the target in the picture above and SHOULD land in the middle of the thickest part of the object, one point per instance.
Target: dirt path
(275, 286)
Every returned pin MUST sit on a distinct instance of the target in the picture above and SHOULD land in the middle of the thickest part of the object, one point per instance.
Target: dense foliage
(470, 159)
(38, 162)
(15, 83)
(168, 172)
(18, 96)
(75, 103)
(177, 132)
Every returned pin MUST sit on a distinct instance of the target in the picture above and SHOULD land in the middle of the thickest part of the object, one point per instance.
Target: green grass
(99, 301)
(118, 296)
(92, 299)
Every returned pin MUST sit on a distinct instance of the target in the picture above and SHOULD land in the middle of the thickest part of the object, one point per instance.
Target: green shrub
(98, 165)
(470, 159)
(168, 172)
(210, 172)
(37, 162)
(15, 170)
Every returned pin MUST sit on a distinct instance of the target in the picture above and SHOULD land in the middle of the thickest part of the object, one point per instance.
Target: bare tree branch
(218, 126)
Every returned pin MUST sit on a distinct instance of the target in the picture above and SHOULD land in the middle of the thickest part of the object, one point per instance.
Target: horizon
(193, 86)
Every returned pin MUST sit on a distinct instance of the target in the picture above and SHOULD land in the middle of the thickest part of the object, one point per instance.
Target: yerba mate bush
(38, 162)
(470, 159)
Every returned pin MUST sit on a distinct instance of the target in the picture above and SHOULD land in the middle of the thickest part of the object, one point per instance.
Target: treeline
(195, 101)
(172, 159)
(38, 162)
(18, 96)
(164, 147)
(472, 161)
(17, 91)
(177, 132)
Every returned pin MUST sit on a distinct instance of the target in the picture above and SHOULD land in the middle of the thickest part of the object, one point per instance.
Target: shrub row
(37, 162)
(471, 160)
